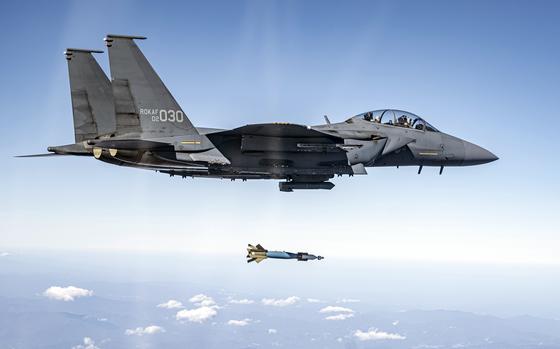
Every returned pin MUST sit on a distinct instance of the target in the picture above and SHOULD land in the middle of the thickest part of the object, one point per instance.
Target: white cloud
(374, 334)
(335, 309)
(240, 323)
(207, 309)
(280, 302)
(272, 331)
(66, 293)
(171, 304)
(5, 254)
(242, 301)
(348, 300)
(339, 317)
(342, 313)
(88, 344)
(395, 323)
(197, 315)
(140, 331)
(313, 300)
(202, 300)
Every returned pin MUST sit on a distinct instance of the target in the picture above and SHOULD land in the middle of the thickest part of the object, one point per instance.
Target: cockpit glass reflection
(398, 118)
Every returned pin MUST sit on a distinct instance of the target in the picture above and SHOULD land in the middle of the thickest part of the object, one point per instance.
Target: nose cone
(475, 155)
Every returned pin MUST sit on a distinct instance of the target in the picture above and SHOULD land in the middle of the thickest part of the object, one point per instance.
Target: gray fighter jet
(259, 254)
(133, 120)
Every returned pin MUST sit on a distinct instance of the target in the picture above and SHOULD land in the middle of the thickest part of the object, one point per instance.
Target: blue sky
(415, 250)
(484, 71)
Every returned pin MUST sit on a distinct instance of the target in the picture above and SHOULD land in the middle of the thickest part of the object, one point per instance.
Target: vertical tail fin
(142, 101)
(92, 96)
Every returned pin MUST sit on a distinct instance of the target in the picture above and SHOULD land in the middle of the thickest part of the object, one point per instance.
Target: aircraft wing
(278, 130)
(278, 137)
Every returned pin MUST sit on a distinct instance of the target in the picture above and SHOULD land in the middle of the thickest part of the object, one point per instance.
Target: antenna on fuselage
(327, 119)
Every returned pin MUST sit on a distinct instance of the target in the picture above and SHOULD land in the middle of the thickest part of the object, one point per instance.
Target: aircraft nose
(476, 155)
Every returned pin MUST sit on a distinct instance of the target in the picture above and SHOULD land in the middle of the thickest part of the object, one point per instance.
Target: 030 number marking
(170, 115)
(163, 115)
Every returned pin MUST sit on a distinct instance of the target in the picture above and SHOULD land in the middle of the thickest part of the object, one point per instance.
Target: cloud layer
(88, 344)
(340, 313)
(348, 300)
(239, 323)
(66, 294)
(171, 304)
(242, 301)
(196, 315)
(339, 317)
(207, 309)
(140, 331)
(374, 334)
(199, 315)
(280, 302)
(335, 309)
(202, 300)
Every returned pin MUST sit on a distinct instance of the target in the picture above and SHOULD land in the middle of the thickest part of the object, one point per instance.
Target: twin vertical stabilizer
(92, 96)
(143, 104)
(134, 105)
(136, 101)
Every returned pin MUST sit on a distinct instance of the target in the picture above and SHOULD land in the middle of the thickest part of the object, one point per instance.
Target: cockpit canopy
(396, 117)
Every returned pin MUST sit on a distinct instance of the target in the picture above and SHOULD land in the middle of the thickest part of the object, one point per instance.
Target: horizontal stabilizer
(37, 155)
(128, 144)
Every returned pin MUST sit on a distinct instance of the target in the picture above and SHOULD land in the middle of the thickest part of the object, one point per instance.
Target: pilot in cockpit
(368, 116)
(403, 121)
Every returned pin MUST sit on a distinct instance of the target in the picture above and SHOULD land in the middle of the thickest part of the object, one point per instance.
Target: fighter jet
(259, 254)
(133, 120)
